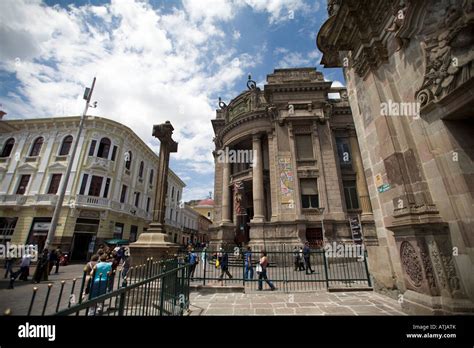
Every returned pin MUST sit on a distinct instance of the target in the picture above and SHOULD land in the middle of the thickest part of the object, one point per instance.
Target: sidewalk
(314, 303)
(18, 299)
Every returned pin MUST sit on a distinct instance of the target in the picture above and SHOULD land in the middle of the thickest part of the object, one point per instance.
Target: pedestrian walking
(301, 260)
(23, 272)
(296, 258)
(25, 267)
(125, 268)
(307, 258)
(53, 258)
(224, 264)
(203, 257)
(248, 272)
(88, 272)
(8, 267)
(100, 280)
(262, 272)
(59, 254)
(41, 272)
(193, 261)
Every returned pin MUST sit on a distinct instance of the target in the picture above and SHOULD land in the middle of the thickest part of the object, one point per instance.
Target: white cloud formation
(291, 59)
(151, 65)
(279, 10)
(148, 70)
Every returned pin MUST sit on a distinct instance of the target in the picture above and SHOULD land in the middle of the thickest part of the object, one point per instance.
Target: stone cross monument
(155, 241)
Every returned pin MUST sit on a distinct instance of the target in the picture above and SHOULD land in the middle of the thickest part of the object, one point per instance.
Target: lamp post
(322, 226)
(59, 203)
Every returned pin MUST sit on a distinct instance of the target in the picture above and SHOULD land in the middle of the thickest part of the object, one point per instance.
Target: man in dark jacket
(224, 264)
(307, 258)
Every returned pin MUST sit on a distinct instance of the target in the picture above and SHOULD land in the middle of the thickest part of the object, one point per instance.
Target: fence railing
(288, 270)
(158, 288)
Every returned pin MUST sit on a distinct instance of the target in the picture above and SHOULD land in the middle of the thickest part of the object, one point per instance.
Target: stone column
(225, 191)
(155, 241)
(360, 175)
(257, 179)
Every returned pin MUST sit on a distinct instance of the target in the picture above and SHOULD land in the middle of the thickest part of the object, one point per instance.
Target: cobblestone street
(314, 303)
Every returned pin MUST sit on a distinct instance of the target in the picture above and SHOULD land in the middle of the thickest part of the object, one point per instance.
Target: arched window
(150, 181)
(8, 147)
(66, 146)
(36, 149)
(128, 160)
(140, 171)
(104, 148)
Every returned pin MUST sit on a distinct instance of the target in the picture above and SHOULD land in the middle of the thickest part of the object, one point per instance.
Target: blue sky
(154, 60)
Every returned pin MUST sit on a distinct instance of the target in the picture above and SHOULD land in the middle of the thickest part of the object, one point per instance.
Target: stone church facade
(409, 67)
(305, 179)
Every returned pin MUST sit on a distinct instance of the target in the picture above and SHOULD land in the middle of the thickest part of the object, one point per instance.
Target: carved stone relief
(411, 263)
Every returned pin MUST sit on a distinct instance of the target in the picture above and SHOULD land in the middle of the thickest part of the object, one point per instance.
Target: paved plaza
(318, 302)
(312, 303)
(18, 299)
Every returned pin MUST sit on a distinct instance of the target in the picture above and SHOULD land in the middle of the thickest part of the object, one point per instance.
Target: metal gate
(288, 270)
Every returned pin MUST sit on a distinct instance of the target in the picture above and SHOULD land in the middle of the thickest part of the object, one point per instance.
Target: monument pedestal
(152, 243)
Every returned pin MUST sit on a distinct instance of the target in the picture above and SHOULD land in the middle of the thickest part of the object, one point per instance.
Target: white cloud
(236, 35)
(279, 10)
(148, 70)
(337, 84)
(291, 59)
(200, 192)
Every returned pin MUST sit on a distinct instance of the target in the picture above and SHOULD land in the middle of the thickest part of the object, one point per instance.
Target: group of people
(222, 262)
(301, 255)
(302, 258)
(45, 263)
(100, 270)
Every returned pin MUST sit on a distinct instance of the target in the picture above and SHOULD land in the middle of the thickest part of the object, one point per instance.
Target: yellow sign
(378, 180)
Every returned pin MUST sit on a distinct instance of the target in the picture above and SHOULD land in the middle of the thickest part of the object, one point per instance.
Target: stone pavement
(314, 303)
(18, 299)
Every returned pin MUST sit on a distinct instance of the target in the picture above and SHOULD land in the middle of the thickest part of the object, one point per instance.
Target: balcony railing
(92, 201)
(46, 199)
(13, 199)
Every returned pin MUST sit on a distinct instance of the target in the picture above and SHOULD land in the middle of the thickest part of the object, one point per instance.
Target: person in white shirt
(25, 267)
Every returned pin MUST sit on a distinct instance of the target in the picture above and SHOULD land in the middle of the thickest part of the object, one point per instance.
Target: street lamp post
(322, 226)
(62, 191)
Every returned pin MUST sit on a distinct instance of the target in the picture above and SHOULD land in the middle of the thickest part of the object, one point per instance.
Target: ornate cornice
(448, 52)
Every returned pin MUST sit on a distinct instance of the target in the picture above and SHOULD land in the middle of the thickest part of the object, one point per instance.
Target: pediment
(26, 167)
(58, 166)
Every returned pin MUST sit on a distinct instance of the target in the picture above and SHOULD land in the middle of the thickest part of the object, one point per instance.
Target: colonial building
(409, 71)
(204, 207)
(190, 225)
(287, 165)
(110, 192)
(203, 229)
(174, 207)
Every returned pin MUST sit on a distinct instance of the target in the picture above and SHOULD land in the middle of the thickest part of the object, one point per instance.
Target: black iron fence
(289, 270)
(154, 288)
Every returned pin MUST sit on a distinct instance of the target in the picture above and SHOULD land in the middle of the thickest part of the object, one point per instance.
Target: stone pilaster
(225, 192)
(362, 190)
(257, 179)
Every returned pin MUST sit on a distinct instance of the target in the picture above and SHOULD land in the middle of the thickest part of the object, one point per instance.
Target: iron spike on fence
(35, 290)
(50, 285)
(60, 295)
